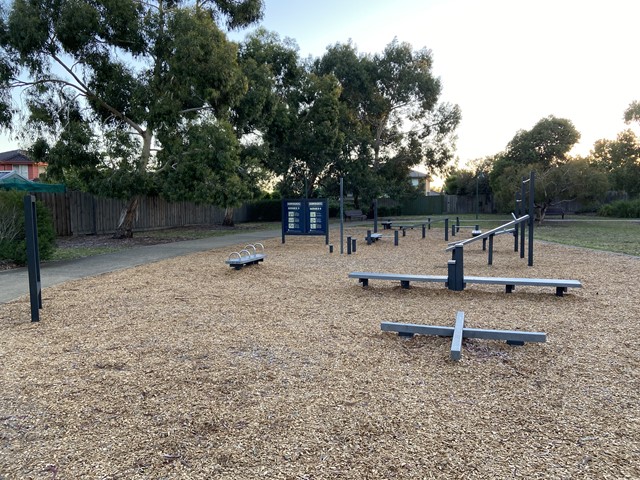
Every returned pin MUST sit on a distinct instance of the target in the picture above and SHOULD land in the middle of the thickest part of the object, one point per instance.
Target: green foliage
(265, 211)
(632, 113)
(389, 211)
(546, 144)
(389, 118)
(544, 150)
(13, 244)
(205, 166)
(620, 159)
(621, 209)
(107, 84)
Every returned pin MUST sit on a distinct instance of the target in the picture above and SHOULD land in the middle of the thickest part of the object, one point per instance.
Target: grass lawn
(613, 235)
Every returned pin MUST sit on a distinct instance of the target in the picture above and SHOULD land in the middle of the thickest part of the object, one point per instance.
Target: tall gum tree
(391, 116)
(133, 73)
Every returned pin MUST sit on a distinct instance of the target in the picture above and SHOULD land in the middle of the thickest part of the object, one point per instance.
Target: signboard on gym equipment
(305, 216)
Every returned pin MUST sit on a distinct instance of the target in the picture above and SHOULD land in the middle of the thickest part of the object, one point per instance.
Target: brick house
(18, 161)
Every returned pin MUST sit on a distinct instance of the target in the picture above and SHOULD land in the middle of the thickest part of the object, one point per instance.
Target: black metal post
(446, 229)
(33, 256)
(375, 215)
(353, 246)
(490, 260)
(395, 237)
(531, 215)
(341, 215)
(424, 231)
(522, 225)
(348, 245)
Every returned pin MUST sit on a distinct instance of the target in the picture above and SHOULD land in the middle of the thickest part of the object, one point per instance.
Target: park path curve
(14, 283)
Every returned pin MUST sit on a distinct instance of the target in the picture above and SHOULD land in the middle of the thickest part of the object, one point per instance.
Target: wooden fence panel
(79, 213)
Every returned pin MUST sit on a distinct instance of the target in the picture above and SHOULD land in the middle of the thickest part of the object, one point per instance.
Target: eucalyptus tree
(632, 113)
(546, 144)
(545, 150)
(390, 116)
(620, 159)
(114, 81)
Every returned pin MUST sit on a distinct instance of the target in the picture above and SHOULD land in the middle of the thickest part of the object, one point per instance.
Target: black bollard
(353, 247)
(395, 237)
(348, 245)
(424, 231)
(330, 248)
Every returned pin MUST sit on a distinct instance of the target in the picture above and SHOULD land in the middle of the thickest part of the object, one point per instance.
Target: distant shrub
(389, 211)
(13, 243)
(621, 209)
(269, 210)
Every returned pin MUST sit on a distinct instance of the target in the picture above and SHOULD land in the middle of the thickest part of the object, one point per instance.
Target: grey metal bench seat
(404, 279)
(374, 237)
(510, 284)
(560, 285)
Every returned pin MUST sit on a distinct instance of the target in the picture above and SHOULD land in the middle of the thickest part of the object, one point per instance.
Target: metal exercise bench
(247, 256)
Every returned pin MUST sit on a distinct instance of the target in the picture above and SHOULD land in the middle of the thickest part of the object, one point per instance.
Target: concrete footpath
(15, 283)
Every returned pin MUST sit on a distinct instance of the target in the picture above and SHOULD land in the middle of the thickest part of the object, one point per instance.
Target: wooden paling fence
(78, 213)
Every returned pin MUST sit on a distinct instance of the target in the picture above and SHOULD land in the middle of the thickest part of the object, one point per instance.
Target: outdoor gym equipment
(505, 228)
(247, 256)
(459, 331)
(455, 279)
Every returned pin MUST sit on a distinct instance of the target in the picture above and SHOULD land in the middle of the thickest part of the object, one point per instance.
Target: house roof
(13, 176)
(418, 174)
(15, 157)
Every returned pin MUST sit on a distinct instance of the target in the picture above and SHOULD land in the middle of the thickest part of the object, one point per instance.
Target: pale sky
(507, 63)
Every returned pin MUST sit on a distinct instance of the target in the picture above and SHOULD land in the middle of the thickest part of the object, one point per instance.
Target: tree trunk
(127, 218)
(228, 217)
(129, 214)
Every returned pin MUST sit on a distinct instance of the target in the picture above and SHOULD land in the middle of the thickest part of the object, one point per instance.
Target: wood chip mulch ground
(189, 369)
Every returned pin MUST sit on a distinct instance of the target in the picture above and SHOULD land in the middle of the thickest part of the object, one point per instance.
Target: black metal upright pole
(341, 215)
(375, 215)
(532, 179)
(522, 224)
(33, 256)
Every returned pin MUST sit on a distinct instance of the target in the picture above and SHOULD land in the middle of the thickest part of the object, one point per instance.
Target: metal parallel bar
(486, 234)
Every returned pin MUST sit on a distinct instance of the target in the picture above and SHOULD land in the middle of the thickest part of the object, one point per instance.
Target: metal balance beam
(512, 337)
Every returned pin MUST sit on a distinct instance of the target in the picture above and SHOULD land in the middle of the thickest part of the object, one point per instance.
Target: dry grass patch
(186, 368)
